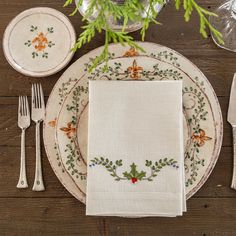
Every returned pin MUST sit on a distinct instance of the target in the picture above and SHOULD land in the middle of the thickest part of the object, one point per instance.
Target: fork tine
(24, 105)
(42, 96)
(27, 106)
(34, 97)
(19, 110)
(21, 106)
(39, 96)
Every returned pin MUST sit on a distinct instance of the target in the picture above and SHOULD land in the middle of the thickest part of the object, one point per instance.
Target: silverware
(23, 123)
(232, 120)
(38, 114)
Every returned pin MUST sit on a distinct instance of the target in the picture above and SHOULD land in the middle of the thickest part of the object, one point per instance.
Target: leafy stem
(109, 165)
(131, 10)
(158, 165)
(189, 6)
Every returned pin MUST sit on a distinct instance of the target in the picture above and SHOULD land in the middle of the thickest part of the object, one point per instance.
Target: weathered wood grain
(212, 211)
(9, 169)
(27, 217)
(205, 217)
(218, 184)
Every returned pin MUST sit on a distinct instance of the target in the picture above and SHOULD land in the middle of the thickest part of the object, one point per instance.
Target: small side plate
(38, 42)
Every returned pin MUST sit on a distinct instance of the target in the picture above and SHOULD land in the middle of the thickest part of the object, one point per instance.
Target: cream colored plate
(203, 123)
(38, 42)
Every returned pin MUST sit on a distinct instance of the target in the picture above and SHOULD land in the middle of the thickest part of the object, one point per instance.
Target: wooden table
(212, 211)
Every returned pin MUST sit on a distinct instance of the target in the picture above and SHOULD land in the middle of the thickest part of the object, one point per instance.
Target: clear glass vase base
(225, 23)
(117, 25)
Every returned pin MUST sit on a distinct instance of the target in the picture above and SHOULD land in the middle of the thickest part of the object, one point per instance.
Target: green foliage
(109, 165)
(158, 165)
(189, 6)
(199, 113)
(33, 28)
(133, 174)
(131, 11)
(50, 30)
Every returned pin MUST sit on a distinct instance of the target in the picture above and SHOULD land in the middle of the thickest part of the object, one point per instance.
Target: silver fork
(38, 114)
(23, 123)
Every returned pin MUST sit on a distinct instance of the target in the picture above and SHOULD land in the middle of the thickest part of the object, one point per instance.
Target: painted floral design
(53, 123)
(74, 156)
(132, 52)
(64, 89)
(134, 70)
(69, 130)
(40, 42)
(166, 56)
(200, 137)
(133, 174)
(197, 115)
(59, 162)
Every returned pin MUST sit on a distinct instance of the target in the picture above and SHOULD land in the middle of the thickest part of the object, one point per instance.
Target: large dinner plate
(65, 130)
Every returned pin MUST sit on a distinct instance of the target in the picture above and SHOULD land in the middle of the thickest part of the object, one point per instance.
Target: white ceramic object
(38, 42)
(65, 131)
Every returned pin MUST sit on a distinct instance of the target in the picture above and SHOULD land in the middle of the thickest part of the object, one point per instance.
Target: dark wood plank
(211, 217)
(20, 216)
(212, 211)
(9, 169)
(205, 217)
(218, 184)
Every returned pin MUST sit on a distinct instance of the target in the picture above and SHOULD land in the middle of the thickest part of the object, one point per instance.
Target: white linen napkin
(135, 149)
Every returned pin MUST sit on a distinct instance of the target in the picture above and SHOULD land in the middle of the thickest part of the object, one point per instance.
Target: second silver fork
(38, 114)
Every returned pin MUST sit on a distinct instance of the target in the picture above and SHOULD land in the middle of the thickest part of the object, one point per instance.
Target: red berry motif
(134, 180)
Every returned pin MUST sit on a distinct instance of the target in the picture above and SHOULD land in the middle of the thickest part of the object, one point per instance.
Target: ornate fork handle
(38, 180)
(22, 182)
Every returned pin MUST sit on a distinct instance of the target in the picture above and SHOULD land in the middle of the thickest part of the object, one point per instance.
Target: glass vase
(118, 24)
(225, 23)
